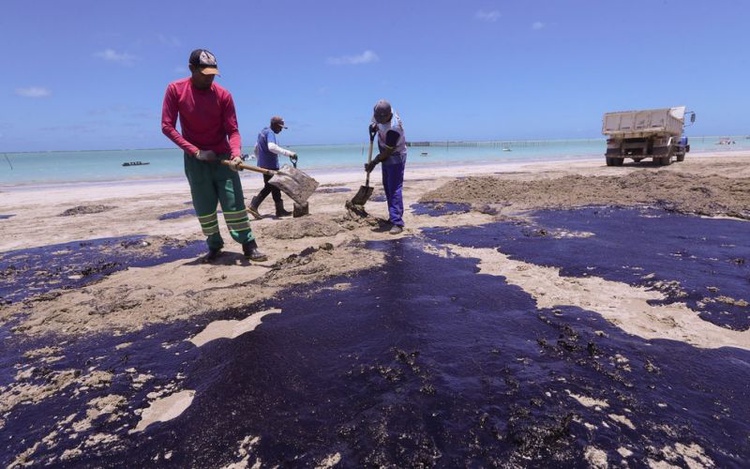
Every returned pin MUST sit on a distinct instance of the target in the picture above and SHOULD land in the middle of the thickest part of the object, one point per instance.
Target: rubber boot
(280, 212)
(251, 252)
(253, 208)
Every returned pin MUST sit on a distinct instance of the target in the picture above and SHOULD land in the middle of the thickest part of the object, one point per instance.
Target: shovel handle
(369, 157)
(257, 169)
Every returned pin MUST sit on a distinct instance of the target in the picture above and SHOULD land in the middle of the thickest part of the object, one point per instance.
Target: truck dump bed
(665, 121)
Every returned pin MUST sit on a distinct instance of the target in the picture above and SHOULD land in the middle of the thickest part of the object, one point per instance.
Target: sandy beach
(331, 243)
(710, 185)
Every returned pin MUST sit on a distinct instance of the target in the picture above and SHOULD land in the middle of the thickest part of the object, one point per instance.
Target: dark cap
(278, 121)
(205, 61)
(382, 108)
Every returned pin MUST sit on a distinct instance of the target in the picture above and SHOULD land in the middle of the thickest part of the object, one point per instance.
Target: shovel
(364, 193)
(291, 181)
(300, 210)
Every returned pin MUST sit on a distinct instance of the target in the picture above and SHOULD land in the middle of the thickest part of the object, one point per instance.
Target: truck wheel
(610, 161)
(664, 160)
(680, 157)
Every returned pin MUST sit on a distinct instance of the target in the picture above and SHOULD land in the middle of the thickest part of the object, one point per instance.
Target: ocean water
(60, 167)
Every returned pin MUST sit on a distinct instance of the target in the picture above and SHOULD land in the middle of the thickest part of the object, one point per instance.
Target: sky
(91, 74)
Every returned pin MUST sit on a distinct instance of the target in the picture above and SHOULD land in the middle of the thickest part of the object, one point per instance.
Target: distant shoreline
(414, 170)
(411, 143)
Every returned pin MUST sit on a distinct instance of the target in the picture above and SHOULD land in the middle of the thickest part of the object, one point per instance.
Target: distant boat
(424, 153)
(135, 163)
(506, 149)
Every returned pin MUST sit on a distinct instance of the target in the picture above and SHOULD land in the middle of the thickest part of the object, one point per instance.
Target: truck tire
(664, 160)
(610, 161)
(680, 157)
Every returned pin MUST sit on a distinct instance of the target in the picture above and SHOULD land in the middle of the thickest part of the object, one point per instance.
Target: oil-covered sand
(543, 315)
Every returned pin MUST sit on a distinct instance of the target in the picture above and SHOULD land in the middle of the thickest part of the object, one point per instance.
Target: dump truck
(649, 133)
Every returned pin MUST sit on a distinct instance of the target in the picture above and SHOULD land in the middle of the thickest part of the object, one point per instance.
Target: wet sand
(330, 243)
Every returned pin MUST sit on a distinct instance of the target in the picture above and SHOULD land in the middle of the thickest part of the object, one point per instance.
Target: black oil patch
(421, 363)
(332, 190)
(700, 261)
(177, 214)
(118, 370)
(36, 271)
(439, 209)
(86, 210)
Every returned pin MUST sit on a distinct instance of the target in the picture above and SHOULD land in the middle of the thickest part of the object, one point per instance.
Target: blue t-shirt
(266, 158)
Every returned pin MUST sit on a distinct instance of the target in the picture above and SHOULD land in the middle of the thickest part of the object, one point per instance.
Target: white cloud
(537, 25)
(111, 55)
(489, 16)
(365, 57)
(169, 41)
(33, 92)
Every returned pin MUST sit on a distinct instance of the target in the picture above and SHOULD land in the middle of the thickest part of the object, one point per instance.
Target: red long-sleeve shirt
(207, 118)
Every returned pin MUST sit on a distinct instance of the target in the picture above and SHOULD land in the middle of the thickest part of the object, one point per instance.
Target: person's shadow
(229, 258)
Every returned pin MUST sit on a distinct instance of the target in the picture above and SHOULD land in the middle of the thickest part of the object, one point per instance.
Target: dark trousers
(393, 184)
(213, 184)
(267, 189)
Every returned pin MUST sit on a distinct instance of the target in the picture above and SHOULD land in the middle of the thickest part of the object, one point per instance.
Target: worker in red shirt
(209, 134)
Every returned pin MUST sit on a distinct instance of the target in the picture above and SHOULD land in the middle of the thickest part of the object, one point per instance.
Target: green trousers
(213, 184)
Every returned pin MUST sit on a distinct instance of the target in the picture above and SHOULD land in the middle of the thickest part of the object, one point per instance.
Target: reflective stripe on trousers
(209, 223)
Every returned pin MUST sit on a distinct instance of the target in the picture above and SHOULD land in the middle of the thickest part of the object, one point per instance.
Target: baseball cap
(205, 61)
(279, 121)
(382, 108)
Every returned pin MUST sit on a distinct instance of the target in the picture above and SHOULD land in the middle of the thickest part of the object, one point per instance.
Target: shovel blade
(300, 210)
(362, 195)
(294, 183)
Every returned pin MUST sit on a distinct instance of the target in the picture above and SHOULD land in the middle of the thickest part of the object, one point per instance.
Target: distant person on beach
(267, 153)
(210, 134)
(386, 124)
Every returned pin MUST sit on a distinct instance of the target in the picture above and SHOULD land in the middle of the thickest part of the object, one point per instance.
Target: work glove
(371, 165)
(293, 158)
(236, 161)
(206, 155)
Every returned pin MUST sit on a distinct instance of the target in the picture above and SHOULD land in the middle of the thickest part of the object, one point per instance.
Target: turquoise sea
(61, 167)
